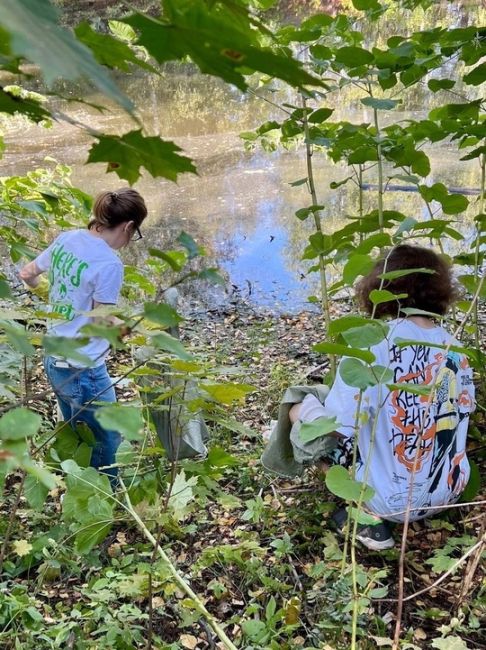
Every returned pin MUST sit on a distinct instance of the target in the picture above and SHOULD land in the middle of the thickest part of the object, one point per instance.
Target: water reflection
(241, 206)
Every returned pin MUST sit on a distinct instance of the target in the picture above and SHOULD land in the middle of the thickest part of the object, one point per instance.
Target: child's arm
(30, 274)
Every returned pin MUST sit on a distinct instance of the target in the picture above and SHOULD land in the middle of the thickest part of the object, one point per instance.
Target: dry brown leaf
(188, 641)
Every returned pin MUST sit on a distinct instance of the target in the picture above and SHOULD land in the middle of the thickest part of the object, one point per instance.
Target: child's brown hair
(433, 292)
(113, 208)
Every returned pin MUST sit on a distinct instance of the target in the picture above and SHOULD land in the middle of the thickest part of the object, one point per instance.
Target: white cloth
(311, 409)
(82, 269)
(400, 420)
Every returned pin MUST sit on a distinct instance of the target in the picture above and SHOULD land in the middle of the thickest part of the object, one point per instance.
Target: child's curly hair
(433, 292)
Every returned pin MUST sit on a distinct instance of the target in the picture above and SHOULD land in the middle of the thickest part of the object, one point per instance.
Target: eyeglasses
(137, 235)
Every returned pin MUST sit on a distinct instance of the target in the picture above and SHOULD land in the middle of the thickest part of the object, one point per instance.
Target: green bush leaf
(218, 40)
(354, 373)
(379, 296)
(414, 389)
(339, 482)
(218, 457)
(228, 393)
(11, 104)
(346, 322)
(310, 431)
(126, 154)
(18, 338)
(82, 483)
(162, 314)
(440, 84)
(365, 336)
(477, 76)
(321, 52)
(254, 629)
(19, 423)
(400, 273)
(357, 265)
(352, 56)
(95, 524)
(166, 342)
(127, 420)
(473, 485)
(181, 495)
(454, 203)
(343, 350)
(4, 290)
(62, 346)
(193, 249)
(320, 115)
(449, 642)
(365, 5)
(175, 259)
(35, 492)
(380, 104)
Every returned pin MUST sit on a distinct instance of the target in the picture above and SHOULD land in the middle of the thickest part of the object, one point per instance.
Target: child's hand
(41, 290)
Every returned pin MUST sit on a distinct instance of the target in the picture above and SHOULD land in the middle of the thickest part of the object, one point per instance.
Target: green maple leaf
(110, 51)
(10, 103)
(35, 34)
(127, 153)
(218, 39)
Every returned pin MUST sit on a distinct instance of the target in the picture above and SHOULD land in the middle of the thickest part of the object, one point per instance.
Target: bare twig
(479, 545)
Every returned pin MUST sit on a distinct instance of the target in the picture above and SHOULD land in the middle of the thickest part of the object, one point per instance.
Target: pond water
(241, 205)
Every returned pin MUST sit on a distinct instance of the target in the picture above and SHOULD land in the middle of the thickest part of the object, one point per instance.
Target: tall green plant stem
(360, 206)
(359, 504)
(11, 519)
(178, 579)
(380, 169)
(353, 474)
(477, 338)
(318, 225)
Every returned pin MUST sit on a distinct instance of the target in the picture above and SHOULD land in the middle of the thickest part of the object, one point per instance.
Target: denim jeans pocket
(64, 381)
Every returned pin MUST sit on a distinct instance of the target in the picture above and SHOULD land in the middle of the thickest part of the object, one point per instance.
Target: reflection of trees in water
(343, 202)
(185, 102)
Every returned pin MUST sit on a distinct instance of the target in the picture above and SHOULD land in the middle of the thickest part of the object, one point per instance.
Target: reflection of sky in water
(256, 264)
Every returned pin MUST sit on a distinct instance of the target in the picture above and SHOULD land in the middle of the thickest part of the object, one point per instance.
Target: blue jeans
(74, 387)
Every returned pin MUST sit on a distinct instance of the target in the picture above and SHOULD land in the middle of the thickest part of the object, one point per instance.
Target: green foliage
(219, 39)
(312, 430)
(87, 505)
(127, 420)
(340, 483)
(28, 22)
(110, 51)
(228, 40)
(126, 154)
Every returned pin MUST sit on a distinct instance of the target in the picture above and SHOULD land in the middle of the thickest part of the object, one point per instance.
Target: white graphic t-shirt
(407, 430)
(82, 269)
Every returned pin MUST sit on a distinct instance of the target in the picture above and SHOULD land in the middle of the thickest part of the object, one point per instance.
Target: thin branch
(178, 579)
(451, 570)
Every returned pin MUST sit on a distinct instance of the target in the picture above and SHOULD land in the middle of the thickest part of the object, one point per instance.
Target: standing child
(84, 273)
(411, 448)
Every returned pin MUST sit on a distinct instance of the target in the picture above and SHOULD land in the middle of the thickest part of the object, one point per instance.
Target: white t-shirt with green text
(82, 269)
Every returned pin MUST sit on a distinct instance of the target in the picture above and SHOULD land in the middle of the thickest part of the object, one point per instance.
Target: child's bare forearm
(30, 274)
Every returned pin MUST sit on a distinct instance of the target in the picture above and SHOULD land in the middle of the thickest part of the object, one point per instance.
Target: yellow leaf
(22, 547)
(292, 611)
